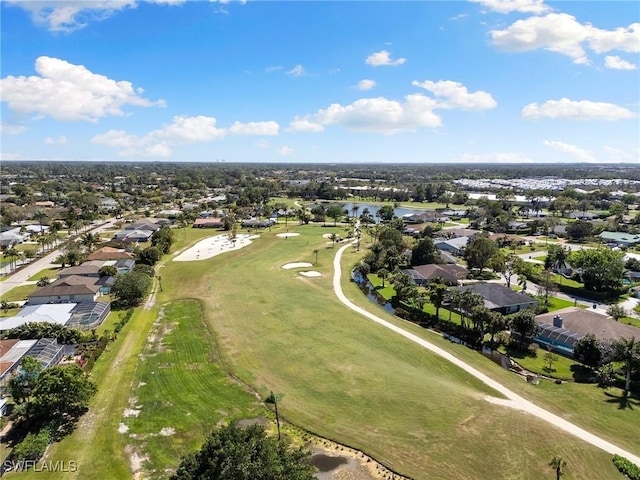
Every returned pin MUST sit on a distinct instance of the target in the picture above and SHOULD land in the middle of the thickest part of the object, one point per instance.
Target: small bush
(32, 447)
(627, 468)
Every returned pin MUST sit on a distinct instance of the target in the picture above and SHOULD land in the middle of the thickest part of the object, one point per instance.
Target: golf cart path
(513, 400)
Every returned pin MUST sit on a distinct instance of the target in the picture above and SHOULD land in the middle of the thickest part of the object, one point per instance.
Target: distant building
(211, 222)
(449, 274)
(621, 239)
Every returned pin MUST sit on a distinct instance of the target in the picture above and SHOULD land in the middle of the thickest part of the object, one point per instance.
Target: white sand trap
(131, 412)
(327, 235)
(285, 235)
(311, 273)
(167, 431)
(122, 428)
(212, 246)
(289, 266)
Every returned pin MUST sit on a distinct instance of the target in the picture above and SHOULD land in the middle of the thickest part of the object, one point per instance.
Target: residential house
(11, 353)
(57, 313)
(449, 274)
(580, 215)
(561, 329)
(72, 289)
(621, 239)
(46, 204)
(108, 204)
(89, 269)
(428, 216)
(455, 246)
(500, 298)
(211, 222)
(133, 236)
(110, 253)
(12, 236)
(257, 223)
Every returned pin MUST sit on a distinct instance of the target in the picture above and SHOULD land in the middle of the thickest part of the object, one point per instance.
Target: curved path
(513, 400)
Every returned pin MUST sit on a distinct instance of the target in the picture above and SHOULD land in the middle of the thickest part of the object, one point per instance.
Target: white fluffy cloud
(70, 15)
(297, 71)
(383, 58)
(576, 110)
(304, 125)
(574, 151)
(70, 92)
(10, 128)
(508, 6)
(366, 84)
(285, 151)
(562, 33)
(455, 95)
(617, 63)
(387, 116)
(381, 115)
(183, 130)
(61, 140)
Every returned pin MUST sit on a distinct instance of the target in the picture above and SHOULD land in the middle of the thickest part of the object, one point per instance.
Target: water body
(399, 212)
(371, 293)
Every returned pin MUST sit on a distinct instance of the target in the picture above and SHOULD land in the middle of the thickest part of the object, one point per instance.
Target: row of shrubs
(94, 351)
(627, 468)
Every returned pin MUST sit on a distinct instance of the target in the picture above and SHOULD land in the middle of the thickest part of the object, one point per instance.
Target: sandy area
(212, 246)
(289, 266)
(311, 273)
(286, 235)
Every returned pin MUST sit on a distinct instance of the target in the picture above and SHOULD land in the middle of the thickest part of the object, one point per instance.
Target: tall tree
(234, 453)
(479, 251)
(627, 350)
(23, 382)
(524, 324)
(437, 295)
(601, 268)
(588, 350)
(425, 252)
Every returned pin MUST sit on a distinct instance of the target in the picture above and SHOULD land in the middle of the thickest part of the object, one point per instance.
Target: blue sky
(505, 81)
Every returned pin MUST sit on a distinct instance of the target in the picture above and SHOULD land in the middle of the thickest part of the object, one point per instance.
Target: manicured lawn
(563, 367)
(47, 272)
(19, 293)
(560, 280)
(630, 321)
(556, 303)
(342, 375)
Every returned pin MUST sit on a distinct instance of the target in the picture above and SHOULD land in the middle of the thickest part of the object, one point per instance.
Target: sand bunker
(289, 266)
(311, 273)
(285, 235)
(327, 235)
(212, 246)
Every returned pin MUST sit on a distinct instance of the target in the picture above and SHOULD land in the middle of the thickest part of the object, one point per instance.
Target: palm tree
(11, 253)
(522, 282)
(41, 217)
(354, 210)
(274, 399)
(333, 237)
(437, 296)
(558, 464)
(383, 273)
(627, 350)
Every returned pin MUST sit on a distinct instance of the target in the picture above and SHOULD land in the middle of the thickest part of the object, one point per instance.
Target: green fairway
(180, 389)
(348, 379)
(342, 376)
